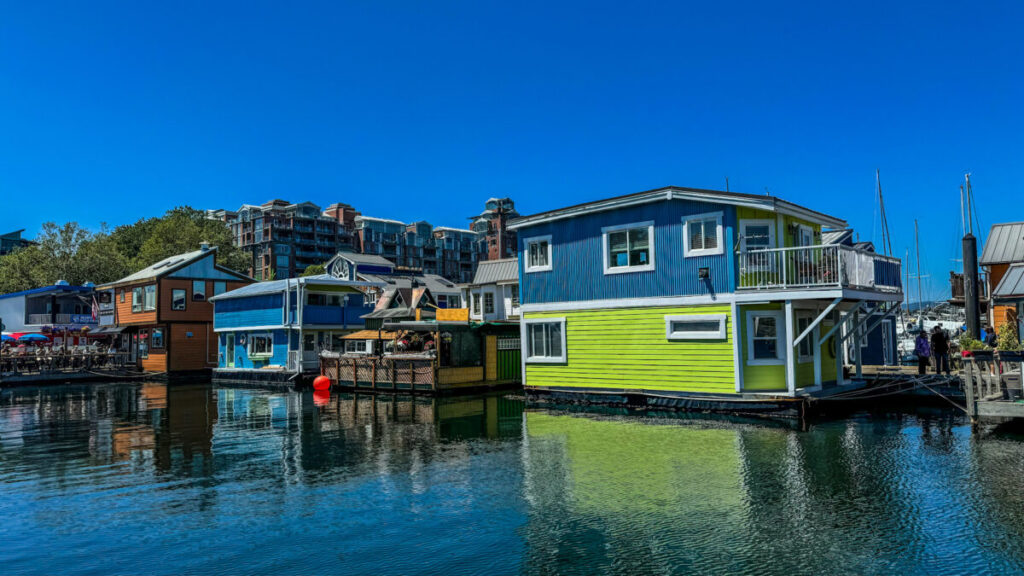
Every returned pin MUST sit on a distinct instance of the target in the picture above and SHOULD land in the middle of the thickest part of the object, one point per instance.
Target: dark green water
(146, 479)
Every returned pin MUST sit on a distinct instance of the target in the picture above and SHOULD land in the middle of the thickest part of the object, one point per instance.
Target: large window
(150, 301)
(178, 298)
(537, 254)
(695, 327)
(488, 302)
(261, 345)
(764, 337)
(137, 299)
(629, 248)
(702, 234)
(199, 290)
(545, 340)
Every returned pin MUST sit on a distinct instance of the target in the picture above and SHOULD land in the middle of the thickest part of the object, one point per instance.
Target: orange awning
(370, 335)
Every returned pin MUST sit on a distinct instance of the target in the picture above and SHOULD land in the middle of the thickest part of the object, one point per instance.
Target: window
(309, 342)
(695, 327)
(157, 339)
(136, 299)
(515, 295)
(143, 343)
(545, 340)
(122, 296)
(804, 235)
(219, 288)
(476, 303)
(316, 299)
(537, 254)
(805, 350)
(764, 332)
(150, 301)
(178, 298)
(198, 290)
(355, 346)
(629, 248)
(757, 235)
(488, 302)
(261, 345)
(702, 235)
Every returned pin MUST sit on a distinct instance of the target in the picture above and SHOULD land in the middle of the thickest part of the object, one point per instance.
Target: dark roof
(371, 259)
(1005, 244)
(843, 236)
(1011, 287)
(46, 289)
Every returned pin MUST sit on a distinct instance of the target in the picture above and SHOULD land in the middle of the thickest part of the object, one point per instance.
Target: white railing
(829, 266)
(41, 319)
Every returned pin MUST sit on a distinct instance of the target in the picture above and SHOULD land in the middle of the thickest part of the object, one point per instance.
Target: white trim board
(627, 303)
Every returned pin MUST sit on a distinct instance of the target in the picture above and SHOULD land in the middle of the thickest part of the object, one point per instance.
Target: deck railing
(823, 266)
(41, 319)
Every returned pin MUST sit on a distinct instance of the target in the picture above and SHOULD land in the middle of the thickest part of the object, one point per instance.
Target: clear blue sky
(115, 111)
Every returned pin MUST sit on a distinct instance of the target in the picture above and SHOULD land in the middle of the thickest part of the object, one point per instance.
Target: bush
(968, 343)
(1008, 338)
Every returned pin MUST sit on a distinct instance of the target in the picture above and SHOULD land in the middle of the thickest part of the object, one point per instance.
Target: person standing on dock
(923, 351)
(991, 336)
(940, 349)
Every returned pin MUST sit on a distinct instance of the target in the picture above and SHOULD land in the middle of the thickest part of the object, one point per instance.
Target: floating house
(165, 315)
(1009, 295)
(494, 293)
(59, 311)
(280, 327)
(697, 297)
(1004, 249)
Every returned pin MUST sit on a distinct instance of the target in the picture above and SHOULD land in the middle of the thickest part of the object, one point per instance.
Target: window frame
(198, 296)
(780, 338)
(527, 268)
(688, 251)
(529, 359)
(772, 241)
(488, 302)
(137, 299)
(152, 339)
(649, 267)
(475, 306)
(810, 340)
(720, 334)
(184, 299)
(251, 344)
(219, 287)
(147, 290)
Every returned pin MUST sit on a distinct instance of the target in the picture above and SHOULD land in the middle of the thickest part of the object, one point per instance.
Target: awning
(106, 330)
(370, 335)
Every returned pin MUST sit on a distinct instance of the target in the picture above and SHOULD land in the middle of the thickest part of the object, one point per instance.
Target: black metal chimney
(971, 303)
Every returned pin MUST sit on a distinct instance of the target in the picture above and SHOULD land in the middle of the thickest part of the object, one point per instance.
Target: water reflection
(155, 479)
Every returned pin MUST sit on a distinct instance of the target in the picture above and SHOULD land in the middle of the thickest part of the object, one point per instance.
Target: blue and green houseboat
(695, 297)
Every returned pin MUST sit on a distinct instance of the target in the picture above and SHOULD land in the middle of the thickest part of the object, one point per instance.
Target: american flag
(95, 307)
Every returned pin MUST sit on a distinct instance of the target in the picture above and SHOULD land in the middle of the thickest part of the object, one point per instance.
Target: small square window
(628, 248)
(537, 254)
(702, 235)
(545, 341)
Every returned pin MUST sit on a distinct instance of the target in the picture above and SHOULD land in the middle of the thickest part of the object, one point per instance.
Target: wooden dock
(992, 385)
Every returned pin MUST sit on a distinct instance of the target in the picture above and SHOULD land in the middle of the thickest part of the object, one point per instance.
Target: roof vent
(204, 246)
(89, 285)
(61, 283)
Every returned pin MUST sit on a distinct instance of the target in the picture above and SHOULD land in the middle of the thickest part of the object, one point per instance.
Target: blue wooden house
(281, 326)
(694, 295)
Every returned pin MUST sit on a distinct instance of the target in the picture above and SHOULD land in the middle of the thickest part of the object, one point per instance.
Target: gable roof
(497, 271)
(1011, 287)
(278, 286)
(1005, 244)
(436, 284)
(768, 203)
(170, 264)
(369, 259)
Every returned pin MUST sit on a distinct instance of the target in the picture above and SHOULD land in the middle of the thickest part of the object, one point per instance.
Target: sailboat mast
(920, 292)
(886, 238)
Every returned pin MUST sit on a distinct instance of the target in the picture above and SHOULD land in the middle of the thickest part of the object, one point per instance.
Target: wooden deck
(405, 374)
(992, 385)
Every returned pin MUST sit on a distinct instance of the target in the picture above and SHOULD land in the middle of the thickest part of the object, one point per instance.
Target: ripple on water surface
(150, 479)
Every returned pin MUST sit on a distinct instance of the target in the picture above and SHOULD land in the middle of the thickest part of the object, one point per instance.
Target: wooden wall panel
(157, 362)
(124, 314)
(196, 353)
(194, 311)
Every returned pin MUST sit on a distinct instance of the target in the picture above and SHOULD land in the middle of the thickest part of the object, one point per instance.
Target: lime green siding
(626, 348)
(782, 237)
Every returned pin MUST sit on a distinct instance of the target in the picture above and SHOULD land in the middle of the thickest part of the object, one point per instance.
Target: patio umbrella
(33, 338)
(6, 338)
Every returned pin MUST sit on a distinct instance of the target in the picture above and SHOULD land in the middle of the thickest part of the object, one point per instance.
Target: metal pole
(920, 292)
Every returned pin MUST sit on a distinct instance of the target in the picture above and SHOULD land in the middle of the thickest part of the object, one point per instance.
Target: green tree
(178, 231)
(314, 270)
(67, 252)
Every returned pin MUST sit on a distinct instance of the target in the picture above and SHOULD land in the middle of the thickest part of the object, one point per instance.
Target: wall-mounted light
(704, 273)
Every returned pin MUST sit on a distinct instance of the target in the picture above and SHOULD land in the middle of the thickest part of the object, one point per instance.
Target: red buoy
(321, 383)
(321, 397)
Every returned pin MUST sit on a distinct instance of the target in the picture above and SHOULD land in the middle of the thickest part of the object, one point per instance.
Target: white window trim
(801, 228)
(544, 359)
(526, 254)
(811, 338)
(649, 267)
(687, 252)
(757, 222)
(780, 336)
(708, 335)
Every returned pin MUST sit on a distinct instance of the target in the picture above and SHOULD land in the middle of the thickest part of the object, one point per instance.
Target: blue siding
(577, 257)
(262, 310)
(242, 360)
(331, 315)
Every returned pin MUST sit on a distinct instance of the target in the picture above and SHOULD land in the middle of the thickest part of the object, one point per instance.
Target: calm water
(128, 478)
